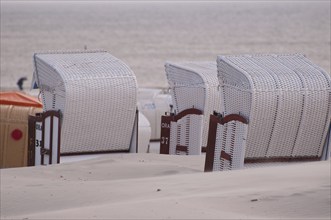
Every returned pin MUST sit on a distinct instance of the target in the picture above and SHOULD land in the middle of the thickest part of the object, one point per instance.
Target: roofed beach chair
(195, 94)
(286, 99)
(96, 94)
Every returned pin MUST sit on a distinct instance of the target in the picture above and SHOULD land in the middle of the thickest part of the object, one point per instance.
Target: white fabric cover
(97, 95)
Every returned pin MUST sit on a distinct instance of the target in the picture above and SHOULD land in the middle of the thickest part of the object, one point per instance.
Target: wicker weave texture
(187, 131)
(194, 84)
(97, 94)
(231, 139)
(286, 98)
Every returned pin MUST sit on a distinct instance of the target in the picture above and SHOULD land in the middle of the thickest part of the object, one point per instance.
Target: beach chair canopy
(194, 85)
(286, 99)
(96, 94)
(19, 99)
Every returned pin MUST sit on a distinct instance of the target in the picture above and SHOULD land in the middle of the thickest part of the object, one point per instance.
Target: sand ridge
(153, 186)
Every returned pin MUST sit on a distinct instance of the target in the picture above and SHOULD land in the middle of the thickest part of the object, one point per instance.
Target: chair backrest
(194, 85)
(287, 100)
(97, 95)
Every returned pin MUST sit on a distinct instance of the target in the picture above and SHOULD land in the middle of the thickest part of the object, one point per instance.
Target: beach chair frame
(171, 136)
(44, 138)
(226, 142)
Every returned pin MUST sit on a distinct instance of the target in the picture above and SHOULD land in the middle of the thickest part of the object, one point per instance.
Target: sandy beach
(145, 35)
(153, 186)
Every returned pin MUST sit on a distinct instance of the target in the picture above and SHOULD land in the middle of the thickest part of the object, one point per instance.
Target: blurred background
(146, 34)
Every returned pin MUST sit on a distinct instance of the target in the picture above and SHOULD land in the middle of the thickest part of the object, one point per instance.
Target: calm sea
(146, 34)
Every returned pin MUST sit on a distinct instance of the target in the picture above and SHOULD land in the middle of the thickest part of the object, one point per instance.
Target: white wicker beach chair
(194, 85)
(95, 92)
(286, 99)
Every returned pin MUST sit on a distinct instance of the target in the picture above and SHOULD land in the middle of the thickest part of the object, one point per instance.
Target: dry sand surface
(152, 186)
